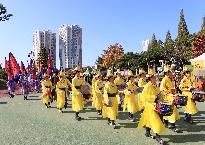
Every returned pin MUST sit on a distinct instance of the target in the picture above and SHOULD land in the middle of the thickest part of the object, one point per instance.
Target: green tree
(153, 43)
(155, 50)
(3, 13)
(183, 42)
(99, 62)
(42, 58)
(168, 46)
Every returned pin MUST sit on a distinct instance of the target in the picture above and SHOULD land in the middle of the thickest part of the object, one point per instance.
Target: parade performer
(46, 90)
(119, 82)
(37, 85)
(141, 84)
(54, 80)
(25, 87)
(61, 87)
(168, 90)
(11, 87)
(186, 86)
(150, 119)
(130, 101)
(99, 87)
(94, 79)
(110, 97)
(68, 84)
(77, 96)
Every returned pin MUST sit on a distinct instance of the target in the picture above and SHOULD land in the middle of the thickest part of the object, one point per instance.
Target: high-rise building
(70, 46)
(145, 44)
(45, 39)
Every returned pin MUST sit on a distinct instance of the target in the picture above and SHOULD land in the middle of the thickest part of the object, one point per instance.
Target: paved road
(30, 123)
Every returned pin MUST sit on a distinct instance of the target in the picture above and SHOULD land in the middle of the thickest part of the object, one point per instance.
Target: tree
(183, 42)
(203, 25)
(155, 50)
(3, 74)
(3, 13)
(42, 58)
(99, 62)
(153, 43)
(168, 46)
(113, 56)
(199, 41)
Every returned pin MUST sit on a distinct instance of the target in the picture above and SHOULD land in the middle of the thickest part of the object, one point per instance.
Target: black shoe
(191, 121)
(46, 105)
(120, 108)
(166, 123)
(159, 140)
(176, 130)
(149, 135)
(99, 112)
(25, 97)
(113, 125)
(108, 121)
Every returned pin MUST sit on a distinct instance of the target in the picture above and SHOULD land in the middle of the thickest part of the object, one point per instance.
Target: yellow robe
(45, 98)
(77, 96)
(110, 112)
(141, 83)
(149, 117)
(60, 94)
(166, 86)
(184, 87)
(93, 90)
(118, 82)
(130, 101)
(99, 86)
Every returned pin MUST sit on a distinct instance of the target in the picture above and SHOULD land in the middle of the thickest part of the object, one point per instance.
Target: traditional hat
(109, 73)
(167, 68)
(98, 74)
(45, 75)
(117, 72)
(77, 68)
(130, 74)
(151, 72)
(81, 74)
(141, 71)
(186, 68)
(61, 74)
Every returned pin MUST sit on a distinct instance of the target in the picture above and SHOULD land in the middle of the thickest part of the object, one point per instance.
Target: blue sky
(104, 22)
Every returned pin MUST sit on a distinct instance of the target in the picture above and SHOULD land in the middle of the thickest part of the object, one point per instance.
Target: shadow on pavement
(68, 112)
(128, 125)
(185, 138)
(33, 99)
(33, 96)
(3, 102)
(95, 118)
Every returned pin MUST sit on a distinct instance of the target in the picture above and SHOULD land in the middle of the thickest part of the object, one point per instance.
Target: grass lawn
(30, 123)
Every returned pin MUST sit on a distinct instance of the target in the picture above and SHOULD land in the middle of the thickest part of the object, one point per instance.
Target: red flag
(34, 72)
(15, 68)
(6, 65)
(9, 71)
(50, 66)
(23, 70)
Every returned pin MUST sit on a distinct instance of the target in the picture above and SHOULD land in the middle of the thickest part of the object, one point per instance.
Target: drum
(140, 89)
(86, 96)
(48, 92)
(164, 109)
(198, 96)
(180, 100)
(108, 104)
